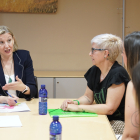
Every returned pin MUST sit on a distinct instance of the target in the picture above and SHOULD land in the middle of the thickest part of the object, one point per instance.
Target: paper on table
(10, 121)
(62, 114)
(19, 107)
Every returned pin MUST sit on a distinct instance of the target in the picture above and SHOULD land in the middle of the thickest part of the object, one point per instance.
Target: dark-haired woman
(131, 56)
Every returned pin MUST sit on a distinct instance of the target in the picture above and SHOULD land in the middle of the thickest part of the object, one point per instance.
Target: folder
(63, 114)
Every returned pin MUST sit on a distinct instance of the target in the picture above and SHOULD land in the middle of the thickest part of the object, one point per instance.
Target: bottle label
(42, 106)
(41, 99)
(55, 137)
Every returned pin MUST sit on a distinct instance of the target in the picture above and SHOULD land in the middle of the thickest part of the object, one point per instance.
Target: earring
(104, 56)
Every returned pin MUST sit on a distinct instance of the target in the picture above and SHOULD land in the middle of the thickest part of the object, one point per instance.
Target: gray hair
(110, 42)
(3, 30)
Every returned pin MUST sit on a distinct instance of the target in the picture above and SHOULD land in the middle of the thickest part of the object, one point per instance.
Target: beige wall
(132, 16)
(61, 41)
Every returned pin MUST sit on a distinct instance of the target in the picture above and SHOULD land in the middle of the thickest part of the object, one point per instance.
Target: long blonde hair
(3, 30)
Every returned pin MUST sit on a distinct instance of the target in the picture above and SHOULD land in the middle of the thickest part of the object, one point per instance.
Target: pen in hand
(11, 97)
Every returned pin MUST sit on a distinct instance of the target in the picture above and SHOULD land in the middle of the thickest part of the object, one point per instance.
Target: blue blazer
(23, 67)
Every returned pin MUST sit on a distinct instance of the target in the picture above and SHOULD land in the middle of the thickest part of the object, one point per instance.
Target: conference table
(36, 127)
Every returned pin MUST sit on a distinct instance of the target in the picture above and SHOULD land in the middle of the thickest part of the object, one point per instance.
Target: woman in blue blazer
(16, 70)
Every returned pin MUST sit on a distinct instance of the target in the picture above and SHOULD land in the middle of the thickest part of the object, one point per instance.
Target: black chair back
(36, 96)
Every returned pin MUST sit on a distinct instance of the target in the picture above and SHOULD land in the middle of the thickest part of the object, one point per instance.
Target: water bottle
(43, 100)
(55, 129)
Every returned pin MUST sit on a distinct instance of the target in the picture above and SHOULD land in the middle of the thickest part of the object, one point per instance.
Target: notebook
(63, 114)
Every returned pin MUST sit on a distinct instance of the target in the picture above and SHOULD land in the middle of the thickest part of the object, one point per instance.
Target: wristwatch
(26, 89)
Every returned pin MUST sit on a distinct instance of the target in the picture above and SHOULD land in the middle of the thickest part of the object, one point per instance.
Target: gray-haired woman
(106, 80)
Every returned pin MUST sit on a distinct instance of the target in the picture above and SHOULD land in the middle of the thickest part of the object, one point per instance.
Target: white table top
(36, 127)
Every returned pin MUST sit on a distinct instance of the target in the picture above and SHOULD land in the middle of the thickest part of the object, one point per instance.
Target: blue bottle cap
(55, 118)
(42, 86)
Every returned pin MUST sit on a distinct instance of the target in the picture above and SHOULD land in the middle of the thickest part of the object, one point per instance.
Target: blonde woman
(16, 70)
(106, 81)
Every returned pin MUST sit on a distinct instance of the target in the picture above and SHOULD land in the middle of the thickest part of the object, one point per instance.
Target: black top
(116, 75)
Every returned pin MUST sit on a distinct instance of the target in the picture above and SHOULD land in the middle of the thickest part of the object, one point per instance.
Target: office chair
(36, 96)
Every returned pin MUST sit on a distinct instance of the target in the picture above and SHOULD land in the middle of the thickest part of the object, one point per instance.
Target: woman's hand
(18, 85)
(72, 107)
(11, 101)
(65, 104)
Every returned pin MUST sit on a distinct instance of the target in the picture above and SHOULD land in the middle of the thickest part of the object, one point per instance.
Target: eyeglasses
(93, 49)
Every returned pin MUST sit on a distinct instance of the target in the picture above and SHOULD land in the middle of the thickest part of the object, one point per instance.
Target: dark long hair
(136, 83)
(132, 50)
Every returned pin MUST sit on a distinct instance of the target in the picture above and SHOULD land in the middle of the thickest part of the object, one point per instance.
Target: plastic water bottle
(43, 100)
(55, 129)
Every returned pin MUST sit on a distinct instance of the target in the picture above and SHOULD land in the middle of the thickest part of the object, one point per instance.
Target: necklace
(101, 78)
(10, 80)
